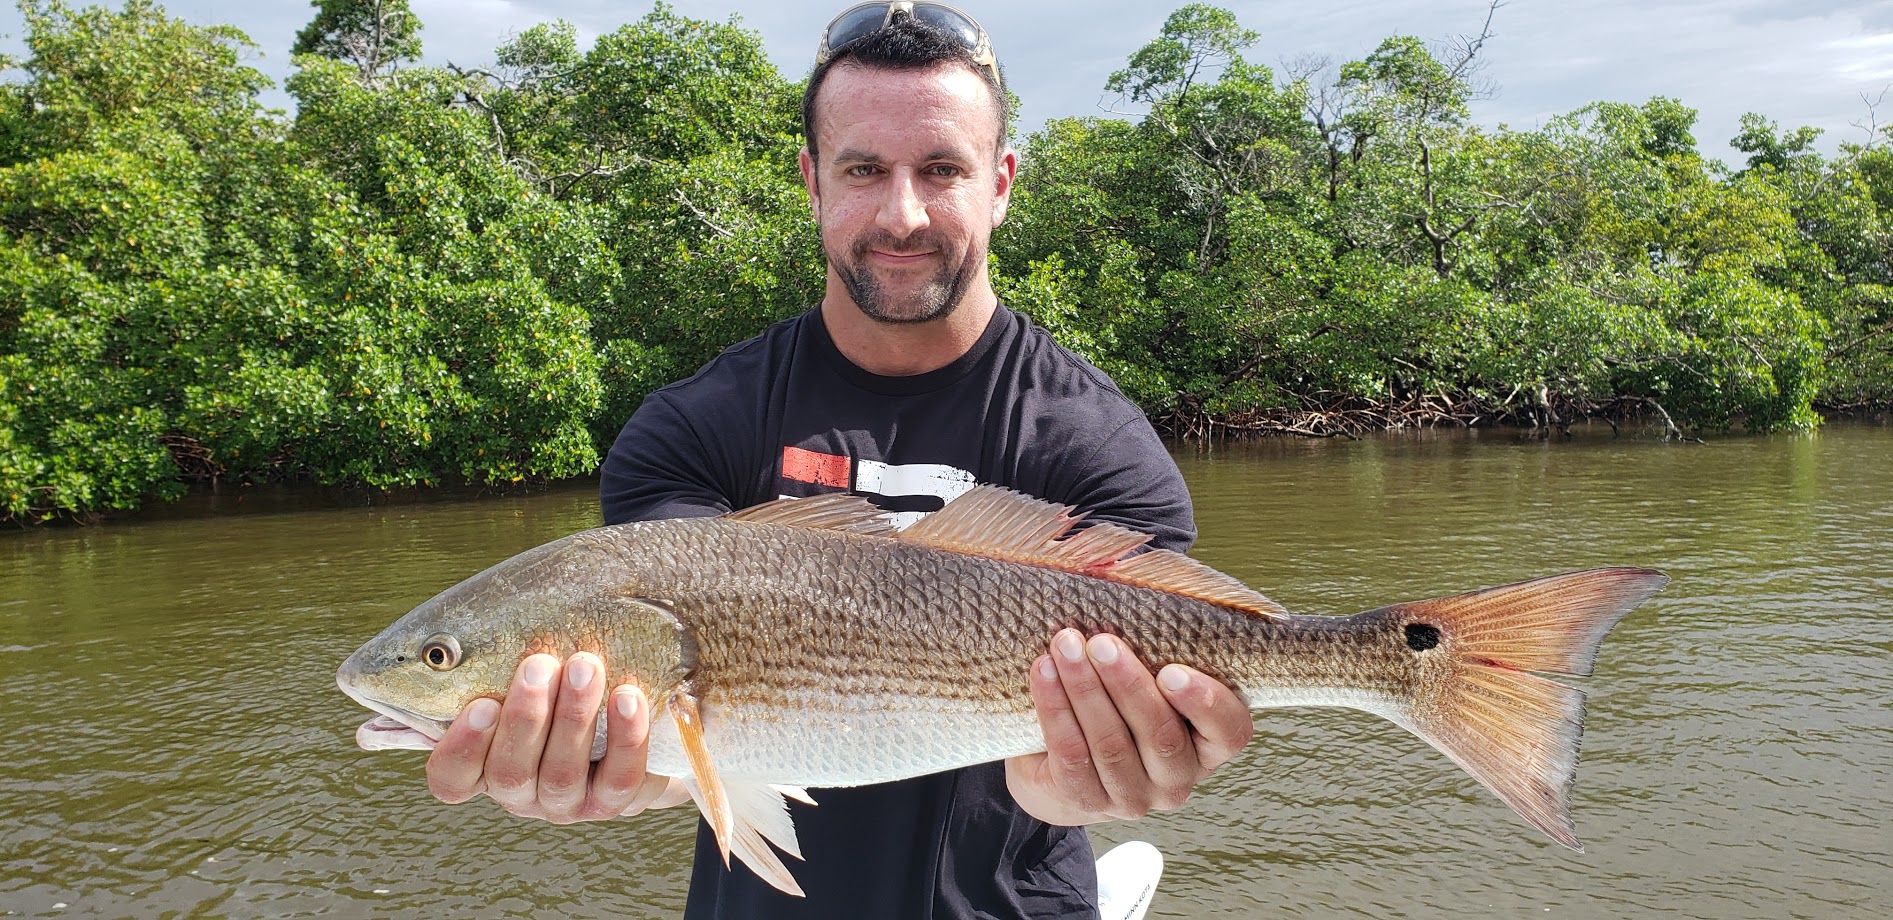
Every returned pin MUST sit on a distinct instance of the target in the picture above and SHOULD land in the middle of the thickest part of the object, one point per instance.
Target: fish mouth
(383, 733)
(395, 728)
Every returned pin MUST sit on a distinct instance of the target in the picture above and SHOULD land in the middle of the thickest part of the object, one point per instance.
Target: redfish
(805, 643)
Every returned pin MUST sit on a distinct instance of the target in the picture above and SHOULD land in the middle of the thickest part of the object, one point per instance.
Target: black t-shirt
(786, 414)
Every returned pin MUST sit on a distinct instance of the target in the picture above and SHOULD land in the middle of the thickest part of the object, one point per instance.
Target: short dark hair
(907, 44)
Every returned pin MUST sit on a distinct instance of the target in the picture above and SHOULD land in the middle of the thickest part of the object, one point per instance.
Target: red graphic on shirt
(817, 469)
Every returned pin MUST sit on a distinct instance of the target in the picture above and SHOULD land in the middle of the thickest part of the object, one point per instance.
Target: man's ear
(812, 183)
(1004, 171)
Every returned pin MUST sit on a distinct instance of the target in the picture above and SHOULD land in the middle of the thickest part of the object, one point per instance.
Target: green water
(172, 745)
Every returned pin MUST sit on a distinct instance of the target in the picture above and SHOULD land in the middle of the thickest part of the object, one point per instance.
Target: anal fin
(760, 817)
(797, 793)
(745, 815)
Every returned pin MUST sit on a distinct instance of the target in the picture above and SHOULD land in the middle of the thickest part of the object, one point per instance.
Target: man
(908, 383)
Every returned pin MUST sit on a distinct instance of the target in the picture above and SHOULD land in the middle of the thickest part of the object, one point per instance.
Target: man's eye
(861, 171)
(944, 170)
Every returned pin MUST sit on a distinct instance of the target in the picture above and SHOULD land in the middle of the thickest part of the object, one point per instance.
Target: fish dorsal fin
(1002, 524)
(837, 511)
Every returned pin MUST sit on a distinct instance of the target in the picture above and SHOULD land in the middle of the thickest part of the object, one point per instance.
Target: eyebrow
(857, 155)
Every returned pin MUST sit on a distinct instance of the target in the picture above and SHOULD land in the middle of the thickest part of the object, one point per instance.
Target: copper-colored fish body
(804, 644)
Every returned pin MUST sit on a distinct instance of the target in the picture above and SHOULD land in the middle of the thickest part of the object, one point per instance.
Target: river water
(172, 744)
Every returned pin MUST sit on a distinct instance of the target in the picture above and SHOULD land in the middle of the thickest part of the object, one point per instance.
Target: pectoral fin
(707, 787)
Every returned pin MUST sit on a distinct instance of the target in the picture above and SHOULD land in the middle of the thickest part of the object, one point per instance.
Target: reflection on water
(173, 745)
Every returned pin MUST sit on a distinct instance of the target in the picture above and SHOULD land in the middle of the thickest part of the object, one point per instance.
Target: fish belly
(851, 741)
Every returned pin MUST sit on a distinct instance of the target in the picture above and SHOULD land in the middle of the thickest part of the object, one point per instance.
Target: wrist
(1046, 805)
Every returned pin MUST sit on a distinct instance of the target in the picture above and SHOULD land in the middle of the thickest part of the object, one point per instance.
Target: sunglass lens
(855, 24)
(950, 22)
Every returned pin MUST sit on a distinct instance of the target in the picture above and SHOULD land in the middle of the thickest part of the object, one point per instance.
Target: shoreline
(216, 497)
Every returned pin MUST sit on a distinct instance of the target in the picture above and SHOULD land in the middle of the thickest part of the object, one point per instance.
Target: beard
(937, 297)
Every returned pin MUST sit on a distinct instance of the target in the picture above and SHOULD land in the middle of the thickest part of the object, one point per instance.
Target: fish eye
(442, 653)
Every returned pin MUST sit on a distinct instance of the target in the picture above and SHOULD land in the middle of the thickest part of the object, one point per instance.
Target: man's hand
(1120, 743)
(533, 755)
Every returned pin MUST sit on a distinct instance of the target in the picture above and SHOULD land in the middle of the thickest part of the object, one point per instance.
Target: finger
(512, 766)
(1163, 743)
(1219, 718)
(1114, 756)
(456, 768)
(619, 780)
(1068, 763)
(566, 763)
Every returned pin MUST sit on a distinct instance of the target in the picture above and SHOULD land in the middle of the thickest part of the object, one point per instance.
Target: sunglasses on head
(864, 19)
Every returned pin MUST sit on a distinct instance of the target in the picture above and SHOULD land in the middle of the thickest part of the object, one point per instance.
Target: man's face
(909, 187)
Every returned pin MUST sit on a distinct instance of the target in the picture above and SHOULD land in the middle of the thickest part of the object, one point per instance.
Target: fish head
(467, 642)
(426, 667)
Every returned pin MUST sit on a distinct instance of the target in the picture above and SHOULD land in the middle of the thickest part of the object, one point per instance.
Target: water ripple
(174, 744)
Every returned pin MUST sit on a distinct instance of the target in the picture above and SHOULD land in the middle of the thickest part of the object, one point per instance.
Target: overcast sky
(1799, 62)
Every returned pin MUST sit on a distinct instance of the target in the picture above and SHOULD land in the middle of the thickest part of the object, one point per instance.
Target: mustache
(901, 246)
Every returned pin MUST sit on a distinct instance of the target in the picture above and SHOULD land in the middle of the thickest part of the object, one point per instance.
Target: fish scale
(804, 626)
(803, 643)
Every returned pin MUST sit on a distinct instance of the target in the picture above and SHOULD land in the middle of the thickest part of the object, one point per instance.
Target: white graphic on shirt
(898, 480)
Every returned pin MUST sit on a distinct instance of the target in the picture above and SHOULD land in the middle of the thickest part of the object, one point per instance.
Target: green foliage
(372, 35)
(681, 139)
(1406, 88)
(724, 247)
(1193, 37)
(1252, 244)
(438, 274)
(190, 290)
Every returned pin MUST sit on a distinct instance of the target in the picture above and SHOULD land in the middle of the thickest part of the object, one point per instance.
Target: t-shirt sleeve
(659, 467)
(1128, 478)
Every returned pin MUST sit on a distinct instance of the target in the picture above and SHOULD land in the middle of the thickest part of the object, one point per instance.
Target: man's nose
(903, 213)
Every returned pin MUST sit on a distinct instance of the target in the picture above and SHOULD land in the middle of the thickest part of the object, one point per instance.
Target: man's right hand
(533, 754)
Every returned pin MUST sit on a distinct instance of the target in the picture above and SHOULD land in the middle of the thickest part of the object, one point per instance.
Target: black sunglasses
(864, 19)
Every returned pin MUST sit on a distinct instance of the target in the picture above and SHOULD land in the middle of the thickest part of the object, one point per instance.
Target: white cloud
(1867, 58)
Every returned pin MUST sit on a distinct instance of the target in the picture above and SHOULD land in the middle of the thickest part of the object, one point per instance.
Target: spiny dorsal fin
(838, 511)
(1002, 524)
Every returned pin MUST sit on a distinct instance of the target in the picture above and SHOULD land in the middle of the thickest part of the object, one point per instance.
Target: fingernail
(579, 672)
(1103, 649)
(539, 671)
(1047, 670)
(482, 713)
(1173, 677)
(627, 702)
(1069, 645)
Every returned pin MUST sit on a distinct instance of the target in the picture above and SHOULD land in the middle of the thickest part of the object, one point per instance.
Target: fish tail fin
(1515, 732)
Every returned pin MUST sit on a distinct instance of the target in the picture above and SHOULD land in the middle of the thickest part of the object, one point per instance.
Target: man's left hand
(1120, 742)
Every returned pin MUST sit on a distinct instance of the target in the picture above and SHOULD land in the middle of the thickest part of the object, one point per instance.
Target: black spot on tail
(1422, 636)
